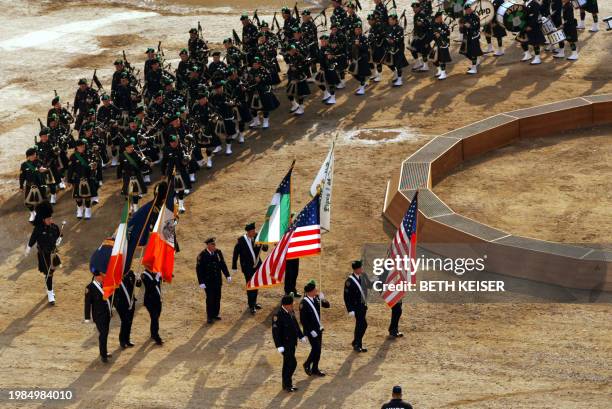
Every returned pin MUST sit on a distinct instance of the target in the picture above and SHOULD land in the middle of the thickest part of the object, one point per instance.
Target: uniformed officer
(286, 332)
(310, 318)
(355, 295)
(47, 236)
(248, 252)
(209, 267)
(99, 309)
(152, 301)
(125, 304)
(396, 402)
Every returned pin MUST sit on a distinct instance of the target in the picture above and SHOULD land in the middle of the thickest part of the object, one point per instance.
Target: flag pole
(124, 236)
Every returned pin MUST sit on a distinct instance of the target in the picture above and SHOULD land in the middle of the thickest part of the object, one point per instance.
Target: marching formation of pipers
(179, 119)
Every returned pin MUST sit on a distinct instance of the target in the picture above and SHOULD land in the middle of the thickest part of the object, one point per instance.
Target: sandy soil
(468, 356)
(555, 188)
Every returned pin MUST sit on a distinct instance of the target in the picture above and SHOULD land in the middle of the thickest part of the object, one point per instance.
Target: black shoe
(290, 388)
(257, 307)
(218, 318)
(129, 344)
(297, 295)
(158, 341)
(252, 310)
(307, 369)
(396, 335)
(360, 349)
(319, 373)
(106, 357)
(209, 321)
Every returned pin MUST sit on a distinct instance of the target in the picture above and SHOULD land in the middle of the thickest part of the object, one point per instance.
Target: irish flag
(116, 263)
(279, 211)
(159, 254)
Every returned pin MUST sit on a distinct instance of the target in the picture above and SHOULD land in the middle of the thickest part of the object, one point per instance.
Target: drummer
(470, 47)
(591, 7)
(494, 29)
(571, 33)
(532, 33)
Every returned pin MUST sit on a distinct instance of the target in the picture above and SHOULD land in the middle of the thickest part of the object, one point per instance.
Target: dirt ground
(453, 355)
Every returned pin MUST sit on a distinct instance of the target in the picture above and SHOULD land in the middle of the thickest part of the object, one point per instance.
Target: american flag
(272, 270)
(306, 240)
(404, 244)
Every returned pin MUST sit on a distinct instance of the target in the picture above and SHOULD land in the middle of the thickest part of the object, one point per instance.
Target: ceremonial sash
(127, 296)
(359, 286)
(102, 292)
(250, 245)
(81, 159)
(131, 160)
(156, 287)
(314, 309)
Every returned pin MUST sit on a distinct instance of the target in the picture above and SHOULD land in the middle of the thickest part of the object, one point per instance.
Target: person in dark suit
(292, 269)
(310, 318)
(396, 402)
(125, 304)
(355, 295)
(152, 301)
(248, 252)
(209, 267)
(99, 309)
(286, 332)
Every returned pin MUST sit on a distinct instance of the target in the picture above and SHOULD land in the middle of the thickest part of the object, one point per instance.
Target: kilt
(442, 56)
(472, 49)
(84, 188)
(360, 68)
(495, 29)
(535, 36)
(397, 60)
(44, 261)
(329, 77)
(377, 55)
(591, 7)
(571, 33)
(297, 88)
(264, 101)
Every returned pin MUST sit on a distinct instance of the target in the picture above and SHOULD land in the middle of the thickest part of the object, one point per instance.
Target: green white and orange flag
(279, 212)
(116, 263)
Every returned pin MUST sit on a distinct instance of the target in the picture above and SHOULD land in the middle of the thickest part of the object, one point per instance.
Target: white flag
(324, 181)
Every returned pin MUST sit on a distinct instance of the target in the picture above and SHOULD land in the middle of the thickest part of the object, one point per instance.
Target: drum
(578, 4)
(484, 10)
(512, 16)
(608, 21)
(453, 8)
(548, 27)
(556, 37)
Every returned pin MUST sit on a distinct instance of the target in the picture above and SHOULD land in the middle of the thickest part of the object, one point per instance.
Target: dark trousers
(289, 365)
(154, 313)
(290, 281)
(315, 352)
(103, 324)
(251, 294)
(127, 316)
(213, 300)
(360, 326)
(396, 313)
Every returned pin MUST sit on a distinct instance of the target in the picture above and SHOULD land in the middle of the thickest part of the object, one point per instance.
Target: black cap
(216, 54)
(149, 50)
(30, 151)
(173, 138)
(193, 31)
(227, 41)
(118, 62)
(183, 51)
(244, 16)
(285, 10)
(44, 210)
(356, 264)
(55, 100)
(250, 226)
(438, 14)
(305, 12)
(96, 273)
(311, 285)
(81, 142)
(130, 142)
(82, 81)
(105, 97)
(44, 131)
(397, 389)
(467, 6)
(287, 300)
(210, 240)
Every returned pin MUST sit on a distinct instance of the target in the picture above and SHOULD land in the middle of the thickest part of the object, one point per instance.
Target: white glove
(313, 333)
(58, 241)
(280, 349)
(229, 279)
(202, 286)
(27, 250)
(321, 296)
(351, 313)
(86, 321)
(304, 340)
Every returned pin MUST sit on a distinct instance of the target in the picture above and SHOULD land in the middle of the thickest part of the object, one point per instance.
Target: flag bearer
(209, 269)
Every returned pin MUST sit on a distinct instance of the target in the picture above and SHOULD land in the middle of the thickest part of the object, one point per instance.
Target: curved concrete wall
(548, 262)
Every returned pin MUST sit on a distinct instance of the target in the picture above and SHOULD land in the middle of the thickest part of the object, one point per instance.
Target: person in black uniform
(209, 267)
(152, 301)
(47, 236)
(82, 175)
(327, 77)
(249, 38)
(532, 32)
(592, 7)
(286, 332)
(361, 58)
(99, 309)
(131, 169)
(310, 318)
(175, 160)
(125, 304)
(441, 35)
(48, 153)
(32, 181)
(262, 97)
(376, 41)
(297, 74)
(420, 46)
(571, 33)
(381, 11)
(355, 295)
(396, 59)
(396, 401)
(470, 46)
(494, 29)
(292, 269)
(84, 99)
(248, 252)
